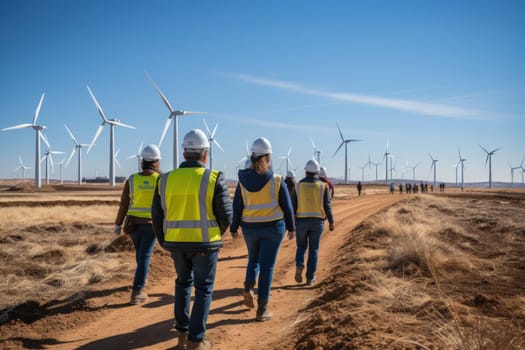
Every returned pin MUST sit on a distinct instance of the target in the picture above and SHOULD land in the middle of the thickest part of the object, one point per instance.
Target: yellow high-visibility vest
(141, 190)
(262, 206)
(187, 199)
(310, 196)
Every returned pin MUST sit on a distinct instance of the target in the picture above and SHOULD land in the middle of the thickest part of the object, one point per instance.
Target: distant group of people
(265, 207)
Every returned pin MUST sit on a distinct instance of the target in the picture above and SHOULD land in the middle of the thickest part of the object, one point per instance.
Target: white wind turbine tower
(287, 159)
(48, 158)
(344, 142)
(211, 139)
(413, 171)
(245, 159)
(386, 155)
(112, 123)
(512, 172)
(138, 156)
(462, 167)
(173, 116)
(22, 168)
(433, 165)
(76, 148)
(61, 167)
(489, 160)
(37, 128)
(317, 152)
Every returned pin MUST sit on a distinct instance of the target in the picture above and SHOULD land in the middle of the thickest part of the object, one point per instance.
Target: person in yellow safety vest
(263, 209)
(311, 202)
(191, 210)
(135, 209)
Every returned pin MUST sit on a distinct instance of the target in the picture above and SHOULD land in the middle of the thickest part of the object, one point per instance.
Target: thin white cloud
(416, 107)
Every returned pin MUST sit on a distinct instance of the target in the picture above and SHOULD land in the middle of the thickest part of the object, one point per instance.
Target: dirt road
(231, 325)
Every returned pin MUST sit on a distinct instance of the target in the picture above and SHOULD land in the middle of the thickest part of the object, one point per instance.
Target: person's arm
(294, 200)
(157, 214)
(286, 205)
(124, 205)
(238, 207)
(222, 204)
(327, 205)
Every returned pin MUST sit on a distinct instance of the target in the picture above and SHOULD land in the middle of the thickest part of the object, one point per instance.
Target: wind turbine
(76, 148)
(385, 156)
(512, 172)
(287, 158)
(112, 123)
(116, 159)
(61, 165)
(48, 158)
(413, 171)
(138, 156)
(344, 142)
(462, 161)
(173, 116)
(211, 139)
(433, 165)
(489, 160)
(37, 128)
(317, 152)
(22, 167)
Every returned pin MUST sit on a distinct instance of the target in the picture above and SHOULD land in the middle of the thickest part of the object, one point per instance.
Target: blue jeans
(308, 235)
(194, 268)
(143, 239)
(263, 245)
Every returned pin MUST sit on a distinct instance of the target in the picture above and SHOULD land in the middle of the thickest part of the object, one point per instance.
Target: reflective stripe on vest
(310, 196)
(263, 205)
(187, 200)
(141, 189)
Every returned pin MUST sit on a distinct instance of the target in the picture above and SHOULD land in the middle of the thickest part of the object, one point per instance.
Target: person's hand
(331, 227)
(291, 234)
(117, 229)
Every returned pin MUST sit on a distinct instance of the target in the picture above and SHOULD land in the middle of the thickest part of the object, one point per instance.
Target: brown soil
(346, 309)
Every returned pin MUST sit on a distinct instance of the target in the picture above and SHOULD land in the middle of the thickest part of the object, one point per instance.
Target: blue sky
(424, 76)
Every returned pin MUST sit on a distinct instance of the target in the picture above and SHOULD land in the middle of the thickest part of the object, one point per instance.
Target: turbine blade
(214, 130)
(487, 159)
(51, 163)
(19, 126)
(166, 126)
(338, 148)
(70, 156)
(190, 112)
(340, 133)
(497, 149)
(121, 124)
(71, 134)
(140, 147)
(313, 144)
(207, 128)
(166, 102)
(484, 149)
(97, 134)
(44, 138)
(20, 160)
(217, 144)
(100, 111)
(37, 110)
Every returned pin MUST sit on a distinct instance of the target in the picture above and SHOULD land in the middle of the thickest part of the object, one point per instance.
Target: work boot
(137, 297)
(183, 340)
(249, 298)
(299, 273)
(199, 345)
(311, 281)
(263, 314)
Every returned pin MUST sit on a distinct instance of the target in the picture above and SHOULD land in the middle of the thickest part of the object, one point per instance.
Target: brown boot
(183, 340)
(263, 314)
(199, 345)
(137, 297)
(249, 298)
(299, 273)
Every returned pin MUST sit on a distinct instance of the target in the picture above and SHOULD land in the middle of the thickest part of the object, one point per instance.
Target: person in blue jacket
(262, 208)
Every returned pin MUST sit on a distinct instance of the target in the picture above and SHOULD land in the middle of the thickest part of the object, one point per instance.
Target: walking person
(290, 182)
(135, 211)
(191, 210)
(262, 208)
(323, 176)
(359, 188)
(312, 205)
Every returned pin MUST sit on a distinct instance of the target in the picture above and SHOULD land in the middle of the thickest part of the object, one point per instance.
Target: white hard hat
(261, 147)
(312, 167)
(322, 172)
(290, 173)
(196, 140)
(150, 153)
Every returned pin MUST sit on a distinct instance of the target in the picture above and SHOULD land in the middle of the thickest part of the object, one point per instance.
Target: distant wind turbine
(61, 167)
(212, 140)
(344, 142)
(413, 171)
(512, 172)
(386, 155)
(462, 167)
(433, 165)
(287, 159)
(22, 168)
(112, 123)
(138, 156)
(317, 152)
(173, 116)
(489, 160)
(76, 148)
(37, 128)
(48, 158)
